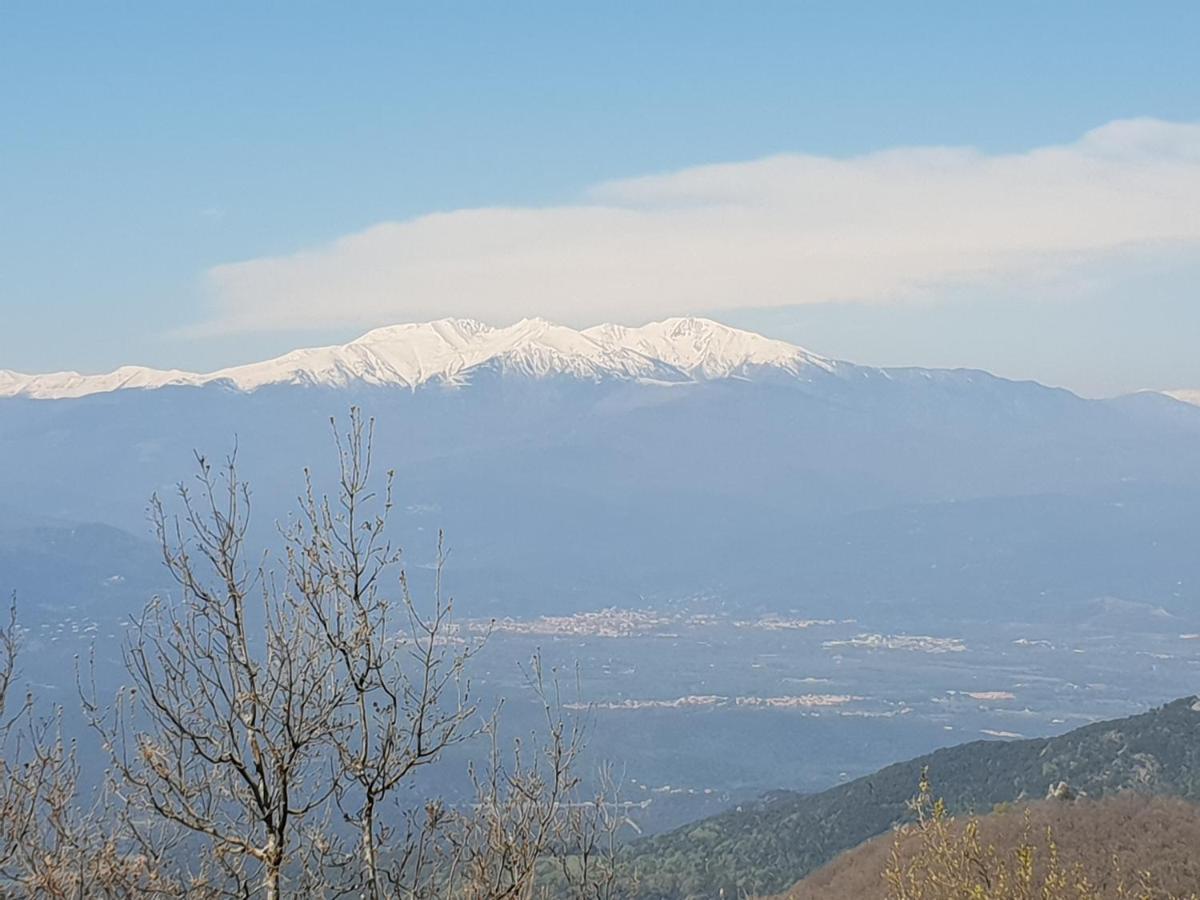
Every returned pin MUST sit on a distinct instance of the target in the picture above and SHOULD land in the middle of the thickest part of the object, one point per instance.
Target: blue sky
(146, 145)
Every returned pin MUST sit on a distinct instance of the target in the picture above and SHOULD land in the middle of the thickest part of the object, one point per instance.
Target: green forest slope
(767, 846)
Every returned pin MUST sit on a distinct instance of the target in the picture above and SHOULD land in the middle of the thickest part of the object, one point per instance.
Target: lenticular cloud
(780, 231)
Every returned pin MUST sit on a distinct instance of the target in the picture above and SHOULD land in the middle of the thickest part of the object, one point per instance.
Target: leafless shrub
(233, 701)
(1125, 847)
(53, 841)
(405, 694)
(530, 832)
(276, 705)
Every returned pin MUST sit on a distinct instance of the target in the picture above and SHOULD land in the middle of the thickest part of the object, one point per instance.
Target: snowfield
(450, 350)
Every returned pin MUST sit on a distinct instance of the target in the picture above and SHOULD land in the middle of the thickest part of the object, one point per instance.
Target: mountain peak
(706, 349)
(449, 330)
(449, 350)
(696, 325)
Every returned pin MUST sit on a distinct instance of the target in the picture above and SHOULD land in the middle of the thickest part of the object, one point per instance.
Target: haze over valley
(683, 451)
(835, 591)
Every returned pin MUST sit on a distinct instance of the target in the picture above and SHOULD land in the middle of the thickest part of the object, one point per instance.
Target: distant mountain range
(452, 351)
(678, 461)
(766, 846)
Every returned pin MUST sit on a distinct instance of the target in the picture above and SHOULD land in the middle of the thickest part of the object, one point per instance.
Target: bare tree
(273, 715)
(8, 661)
(530, 832)
(410, 700)
(36, 777)
(54, 842)
(589, 852)
(402, 666)
(233, 703)
(15, 810)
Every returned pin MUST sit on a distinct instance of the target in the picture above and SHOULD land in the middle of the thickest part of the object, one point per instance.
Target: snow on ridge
(1187, 395)
(707, 349)
(10, 380)
(449, 350)
(66, 385)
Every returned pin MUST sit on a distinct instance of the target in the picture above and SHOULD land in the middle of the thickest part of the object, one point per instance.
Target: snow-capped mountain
(1187, 395)
(585, 468)
(705, 349)
(449, 350)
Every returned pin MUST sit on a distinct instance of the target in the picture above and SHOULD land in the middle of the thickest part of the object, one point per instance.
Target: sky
(1008, 186)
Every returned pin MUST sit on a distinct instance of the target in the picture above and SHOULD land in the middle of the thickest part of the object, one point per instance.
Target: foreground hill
(769, 845)
(1125, 834)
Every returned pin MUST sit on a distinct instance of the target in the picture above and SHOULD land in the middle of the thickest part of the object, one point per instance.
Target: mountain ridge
(1185, 395)
(450, 351)
(766, 846)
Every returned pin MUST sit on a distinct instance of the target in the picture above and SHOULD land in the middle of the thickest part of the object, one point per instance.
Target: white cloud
(779, 231)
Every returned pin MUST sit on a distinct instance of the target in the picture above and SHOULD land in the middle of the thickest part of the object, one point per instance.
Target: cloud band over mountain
(779, 231)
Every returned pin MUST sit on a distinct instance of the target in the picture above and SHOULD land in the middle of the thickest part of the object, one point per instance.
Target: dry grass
(1127, 847)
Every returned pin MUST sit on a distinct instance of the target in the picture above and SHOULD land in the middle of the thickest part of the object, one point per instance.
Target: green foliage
(767, 846)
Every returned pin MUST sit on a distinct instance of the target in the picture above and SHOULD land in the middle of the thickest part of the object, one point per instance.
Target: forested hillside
(771, 844)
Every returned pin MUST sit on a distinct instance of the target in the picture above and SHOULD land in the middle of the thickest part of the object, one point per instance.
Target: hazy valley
(825, 606)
